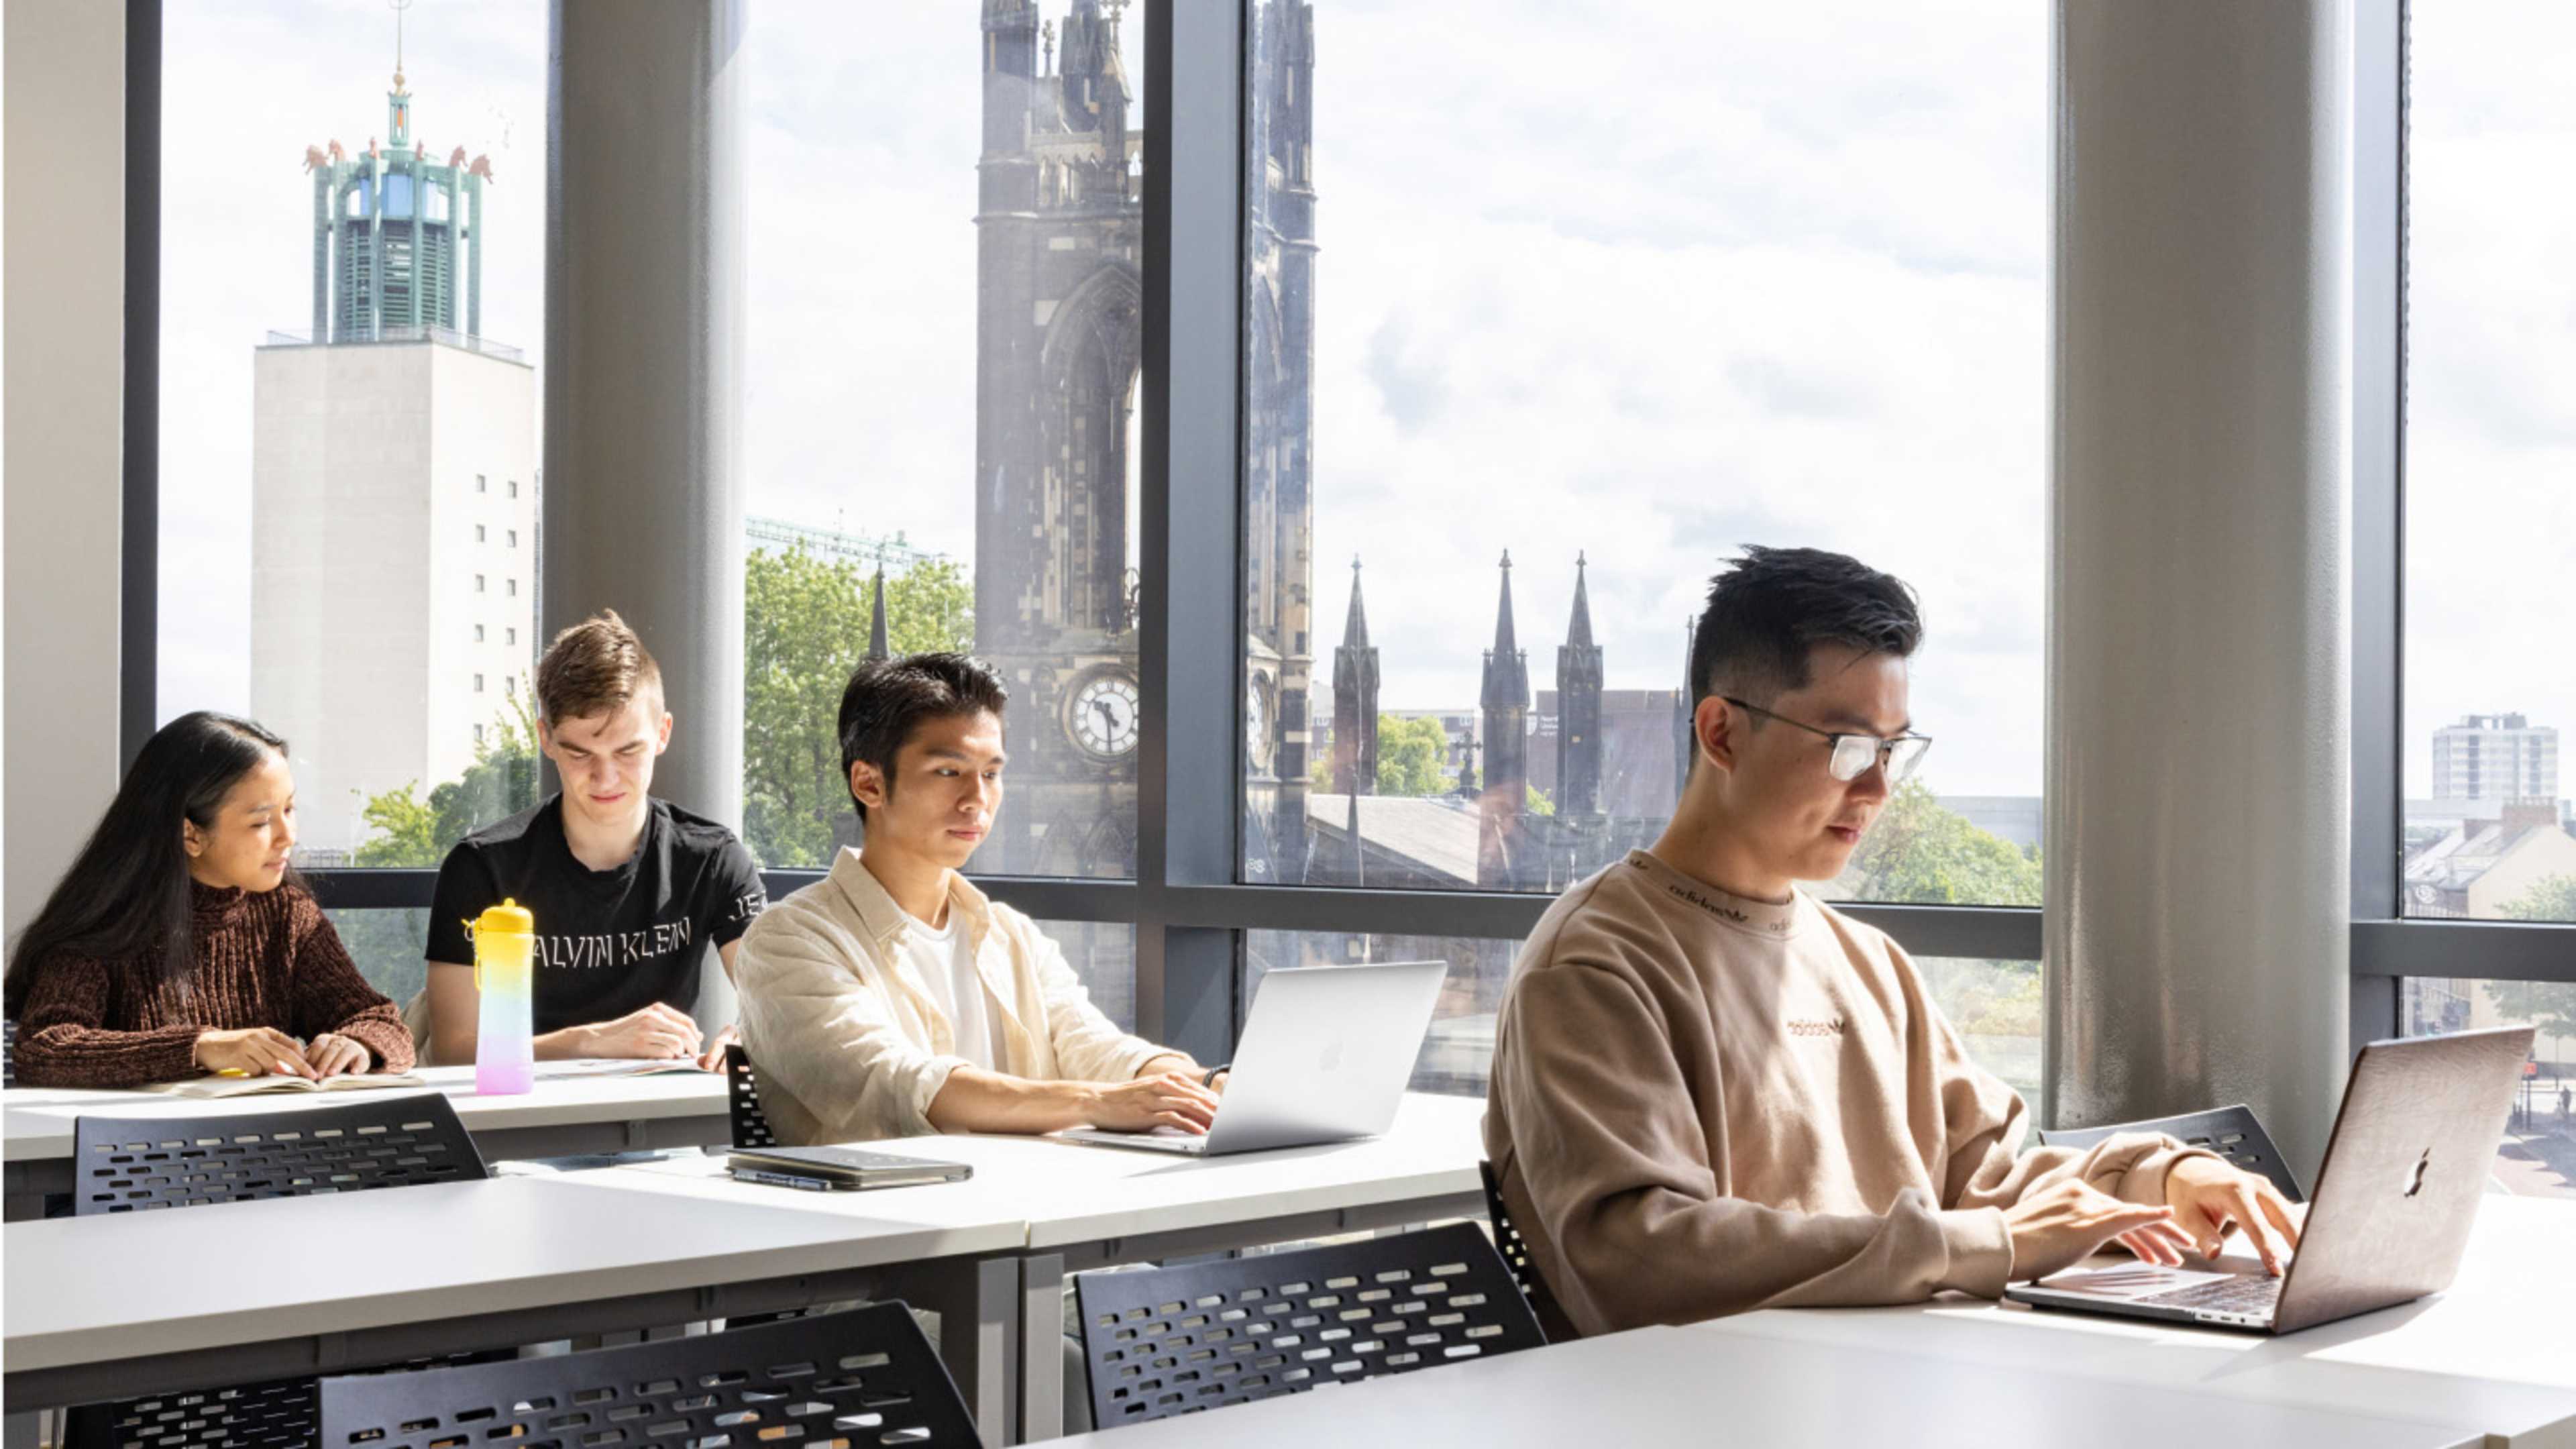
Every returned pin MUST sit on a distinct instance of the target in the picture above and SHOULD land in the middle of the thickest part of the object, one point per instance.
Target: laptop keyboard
(2228, 1295)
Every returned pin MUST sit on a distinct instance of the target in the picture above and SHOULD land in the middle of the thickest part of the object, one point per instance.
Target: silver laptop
(1325, 1054)
(2409, 1158)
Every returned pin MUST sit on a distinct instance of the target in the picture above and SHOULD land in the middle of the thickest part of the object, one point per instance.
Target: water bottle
(505, 949)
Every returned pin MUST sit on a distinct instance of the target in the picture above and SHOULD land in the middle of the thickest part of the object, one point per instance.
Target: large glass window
(351, 310)
(1994, 1005)
(1524, 369)
(2490, 441)
(946, 211)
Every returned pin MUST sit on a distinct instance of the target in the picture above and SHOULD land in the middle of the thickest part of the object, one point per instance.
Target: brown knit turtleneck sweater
(270, 960)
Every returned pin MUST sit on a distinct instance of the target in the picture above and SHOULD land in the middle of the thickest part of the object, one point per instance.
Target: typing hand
(2209, 1199)
(1161, 1099)
(2068, 1221)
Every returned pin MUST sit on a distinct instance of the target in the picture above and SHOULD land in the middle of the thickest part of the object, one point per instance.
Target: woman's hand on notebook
(257, 1050)
(332, 1055)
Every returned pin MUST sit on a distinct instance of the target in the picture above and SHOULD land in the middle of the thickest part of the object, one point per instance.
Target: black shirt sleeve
(465, 887)
(734, 894)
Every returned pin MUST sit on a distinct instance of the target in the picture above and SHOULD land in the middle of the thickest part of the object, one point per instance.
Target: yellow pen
(233, 1072)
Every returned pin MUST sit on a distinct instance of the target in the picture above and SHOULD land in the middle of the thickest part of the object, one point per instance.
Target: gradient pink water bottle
(505, 949)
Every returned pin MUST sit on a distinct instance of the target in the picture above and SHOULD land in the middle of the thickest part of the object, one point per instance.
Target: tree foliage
(805, 628)
(2548, 1005)
(1410, 753)
(1920, 852)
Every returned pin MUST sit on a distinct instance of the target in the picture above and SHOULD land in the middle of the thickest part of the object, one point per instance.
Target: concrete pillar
(2197, 897)
(64, 513)
(644, 264)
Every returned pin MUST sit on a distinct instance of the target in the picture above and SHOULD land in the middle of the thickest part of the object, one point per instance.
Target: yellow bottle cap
(508, 917)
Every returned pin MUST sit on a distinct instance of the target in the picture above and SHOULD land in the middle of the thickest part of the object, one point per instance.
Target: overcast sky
(1645, 281)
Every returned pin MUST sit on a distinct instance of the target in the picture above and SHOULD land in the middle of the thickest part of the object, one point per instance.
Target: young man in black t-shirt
(629, 893)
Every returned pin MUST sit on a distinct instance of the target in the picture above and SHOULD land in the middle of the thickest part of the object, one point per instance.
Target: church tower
(1503, 859)
(1578, 711)
(397, 237)
(1279, 436)
(1355, 702)
(1059, 233)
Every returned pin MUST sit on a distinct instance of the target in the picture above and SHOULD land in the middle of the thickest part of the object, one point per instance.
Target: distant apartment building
(2495, 757)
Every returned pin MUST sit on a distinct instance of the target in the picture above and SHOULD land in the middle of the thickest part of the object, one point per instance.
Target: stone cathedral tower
(1059, 237)
(1279, 434)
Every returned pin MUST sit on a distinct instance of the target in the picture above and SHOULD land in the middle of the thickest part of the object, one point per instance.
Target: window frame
(1190, 914)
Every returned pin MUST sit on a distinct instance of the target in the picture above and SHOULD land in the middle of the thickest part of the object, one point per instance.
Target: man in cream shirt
(1713, 1092)
(892, 998)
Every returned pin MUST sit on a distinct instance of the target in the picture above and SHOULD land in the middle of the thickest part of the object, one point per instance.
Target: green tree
(1921, 852)
(406, 832)
(805, 628)
(2548, 1005)
(1539, 801)
(2550, 899)
(1410, 753)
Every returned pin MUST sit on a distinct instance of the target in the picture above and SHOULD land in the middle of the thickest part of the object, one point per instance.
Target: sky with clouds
(1642, 281)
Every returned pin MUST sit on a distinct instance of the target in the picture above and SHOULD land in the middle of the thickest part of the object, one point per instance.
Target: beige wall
(64, 131)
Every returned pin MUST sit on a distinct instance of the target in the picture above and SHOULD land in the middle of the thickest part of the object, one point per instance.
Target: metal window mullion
(139, 587)
(1188, 767)
(2379, 500)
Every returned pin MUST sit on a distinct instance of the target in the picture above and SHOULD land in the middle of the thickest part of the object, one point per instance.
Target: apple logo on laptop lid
(1331, 1060)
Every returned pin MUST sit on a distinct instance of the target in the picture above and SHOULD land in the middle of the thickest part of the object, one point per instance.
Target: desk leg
(979, 1340)
(1041, 1347)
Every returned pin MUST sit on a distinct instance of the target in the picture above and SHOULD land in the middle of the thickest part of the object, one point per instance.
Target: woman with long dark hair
(181, 941)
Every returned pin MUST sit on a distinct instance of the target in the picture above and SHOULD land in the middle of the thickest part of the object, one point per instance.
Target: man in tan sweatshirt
(1713, 1092)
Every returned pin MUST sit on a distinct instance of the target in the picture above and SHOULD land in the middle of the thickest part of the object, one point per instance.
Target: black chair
(1167, 1341)
(1508, 1241)
(865, 1377)
(133, 1164)
(2232, 1132)
(8, 1053)
(742, 1100)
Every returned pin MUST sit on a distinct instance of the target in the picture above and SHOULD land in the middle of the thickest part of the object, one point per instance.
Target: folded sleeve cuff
(932, 1075)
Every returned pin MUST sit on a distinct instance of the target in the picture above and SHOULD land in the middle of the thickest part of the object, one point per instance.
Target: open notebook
(210, 1087)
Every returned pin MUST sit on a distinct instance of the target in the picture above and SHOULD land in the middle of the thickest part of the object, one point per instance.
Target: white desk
(1664, 1386)
(103, 1307)
(2494, 1354)
(621, 1114)
(1085, 1207)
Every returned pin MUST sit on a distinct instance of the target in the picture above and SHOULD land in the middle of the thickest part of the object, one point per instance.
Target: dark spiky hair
(1767, 613)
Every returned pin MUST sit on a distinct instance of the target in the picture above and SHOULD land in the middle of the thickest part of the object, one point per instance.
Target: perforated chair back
(852, 1380)
(742, 1101)
(1515, 1252)
(2232, 1132)
(1176, 1340)
(277, 1415)
(379, 1139)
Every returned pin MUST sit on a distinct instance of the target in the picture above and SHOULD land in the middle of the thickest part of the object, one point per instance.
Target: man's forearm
(564, 1045)
(975, 1100)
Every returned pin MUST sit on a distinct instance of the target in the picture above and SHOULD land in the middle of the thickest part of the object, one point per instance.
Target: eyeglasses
(1854, 754)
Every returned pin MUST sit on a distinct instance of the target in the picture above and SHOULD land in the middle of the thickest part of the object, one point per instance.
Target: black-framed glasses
(1854, 754)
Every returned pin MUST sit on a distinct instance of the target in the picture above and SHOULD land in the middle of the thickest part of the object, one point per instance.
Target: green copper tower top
(397, 236)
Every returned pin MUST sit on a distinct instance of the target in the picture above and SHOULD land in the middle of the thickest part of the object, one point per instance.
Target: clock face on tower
(1101, 718)
(1258, 727)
